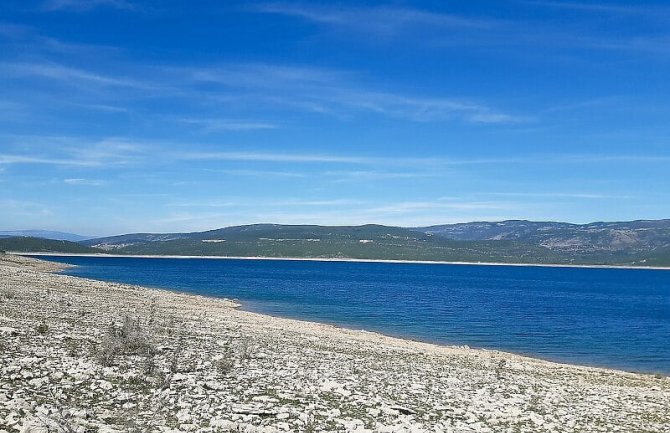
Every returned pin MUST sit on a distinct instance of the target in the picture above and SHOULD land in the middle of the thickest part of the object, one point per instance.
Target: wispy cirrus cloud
(83, 182)
(85, 5)
(14, 31)
(262, 173)
(559, 195)
(68, 75)
(25, 208)
(217, 124)
(377, 20)
(74, 151)
(439, 204)
(273, 157)
(29, 40)
(11, 159)
(199, 215)
(128, 151)
(376, 175)
(344, 94)
(422, 109)
(647, 11)
(446, 29)
(339, 92)
(223, 203)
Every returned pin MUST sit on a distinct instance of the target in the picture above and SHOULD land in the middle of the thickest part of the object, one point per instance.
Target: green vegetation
(40, 245)
(639, 243)
(635, 243)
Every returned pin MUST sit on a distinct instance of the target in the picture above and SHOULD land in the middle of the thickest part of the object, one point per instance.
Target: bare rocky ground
(83, 356)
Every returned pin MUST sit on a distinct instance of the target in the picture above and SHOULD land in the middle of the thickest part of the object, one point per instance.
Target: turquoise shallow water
(618, 318)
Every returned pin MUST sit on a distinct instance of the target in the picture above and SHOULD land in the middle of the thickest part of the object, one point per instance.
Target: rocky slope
(84, 356)
(628, 236)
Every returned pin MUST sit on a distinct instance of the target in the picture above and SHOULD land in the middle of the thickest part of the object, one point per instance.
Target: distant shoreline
(344, 260)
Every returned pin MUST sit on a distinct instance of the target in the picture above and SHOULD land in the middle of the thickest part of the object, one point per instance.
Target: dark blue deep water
(617, 318)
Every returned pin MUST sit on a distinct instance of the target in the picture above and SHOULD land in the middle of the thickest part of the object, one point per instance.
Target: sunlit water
(617, 318)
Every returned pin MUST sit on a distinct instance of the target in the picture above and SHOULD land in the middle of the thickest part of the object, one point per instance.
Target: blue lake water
(617, 318)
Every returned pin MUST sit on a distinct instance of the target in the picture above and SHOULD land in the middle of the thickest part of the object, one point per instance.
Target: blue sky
(127, 115)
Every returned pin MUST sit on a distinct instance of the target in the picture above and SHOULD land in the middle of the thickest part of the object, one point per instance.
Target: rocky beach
(79, 355)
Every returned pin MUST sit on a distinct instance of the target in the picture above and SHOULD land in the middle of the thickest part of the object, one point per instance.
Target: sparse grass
(153, 309)
(500, 368)
(128, 339)
(42, 328)
(176, 354)
(224, 365)
(246, 353)
(225, 362)
(7, 294)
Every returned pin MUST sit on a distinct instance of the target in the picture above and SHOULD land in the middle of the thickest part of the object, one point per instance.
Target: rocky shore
(78, 355)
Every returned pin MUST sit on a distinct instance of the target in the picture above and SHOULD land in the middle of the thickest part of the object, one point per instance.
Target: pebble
(216, 368)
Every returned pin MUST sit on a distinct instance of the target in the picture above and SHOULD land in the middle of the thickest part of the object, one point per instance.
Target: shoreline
(214, 367)
(239, 304)
(341, 260)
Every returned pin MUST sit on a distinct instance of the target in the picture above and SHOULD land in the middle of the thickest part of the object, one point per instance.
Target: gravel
(79, 355)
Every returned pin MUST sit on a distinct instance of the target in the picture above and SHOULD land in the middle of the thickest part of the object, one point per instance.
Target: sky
(122, 116)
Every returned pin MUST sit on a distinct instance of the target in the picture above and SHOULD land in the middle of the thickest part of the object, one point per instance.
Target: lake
(617, 318)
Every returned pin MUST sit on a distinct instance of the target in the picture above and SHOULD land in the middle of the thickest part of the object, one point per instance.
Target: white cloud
(381, 21)
(74, 151)
(262, 173)
(85, 5)
(213, 125)
(335, 212)
(367, 175)
(338, 93)
(24, 159)
(67, 75)
(273, 157)
(570, 195)
(293, 203)
(646, 10)
(84, 182)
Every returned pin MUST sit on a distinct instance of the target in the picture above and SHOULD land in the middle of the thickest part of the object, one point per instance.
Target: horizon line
(88, 237)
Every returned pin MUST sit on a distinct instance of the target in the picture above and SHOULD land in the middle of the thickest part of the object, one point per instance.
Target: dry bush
(128, 339)
(7, 294)
(42, 328)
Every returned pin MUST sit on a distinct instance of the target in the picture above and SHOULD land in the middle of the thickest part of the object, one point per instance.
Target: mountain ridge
(44, 234)
(632, 243)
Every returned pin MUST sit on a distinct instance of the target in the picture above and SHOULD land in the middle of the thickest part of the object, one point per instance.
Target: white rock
(33, 426)
(6, 330)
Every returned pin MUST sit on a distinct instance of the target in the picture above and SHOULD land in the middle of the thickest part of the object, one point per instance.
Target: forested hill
(622, 243)
(639, 243)
(42, 245)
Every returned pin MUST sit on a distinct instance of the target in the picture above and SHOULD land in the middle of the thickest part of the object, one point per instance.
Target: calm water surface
(617, 318)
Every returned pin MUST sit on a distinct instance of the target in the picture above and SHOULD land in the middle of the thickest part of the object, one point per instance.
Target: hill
(40, 245)
(46, 234)
(628, 237)
(624, 243)
(639, 243)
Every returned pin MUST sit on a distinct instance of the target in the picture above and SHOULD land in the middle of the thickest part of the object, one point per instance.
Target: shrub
(224, 365)
(42, 328)
(127, 339)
